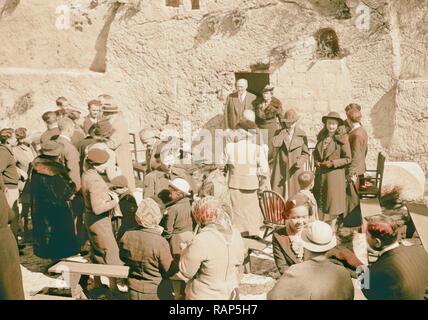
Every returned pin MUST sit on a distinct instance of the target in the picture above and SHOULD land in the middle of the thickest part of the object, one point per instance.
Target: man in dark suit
(358, 139)
(237, 103)
(400, 273)
(317, 278)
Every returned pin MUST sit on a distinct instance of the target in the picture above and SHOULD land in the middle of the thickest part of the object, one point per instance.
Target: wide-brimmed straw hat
(333, 115)
(318, 237)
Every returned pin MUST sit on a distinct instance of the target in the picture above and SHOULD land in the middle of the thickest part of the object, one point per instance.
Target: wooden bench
(419, 214)
(370, 207)
(72, 271)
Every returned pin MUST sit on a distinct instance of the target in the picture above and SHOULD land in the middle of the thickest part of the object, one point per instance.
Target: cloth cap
(98, 156)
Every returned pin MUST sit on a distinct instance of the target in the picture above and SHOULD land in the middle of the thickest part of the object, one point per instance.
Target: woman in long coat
(332, 155)
(10, 271)
(54, 233)
(268, 110)
(290, 154)
(211, 261)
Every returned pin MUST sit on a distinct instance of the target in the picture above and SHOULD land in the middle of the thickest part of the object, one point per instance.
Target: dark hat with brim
(51, 148)
(290, 116)
(110, 109)
(268, 88)
(101, 129)
(334, 116)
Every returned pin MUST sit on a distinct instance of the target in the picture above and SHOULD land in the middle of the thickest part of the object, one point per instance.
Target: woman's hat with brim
(180, 185)
(268, 88)
(333, 115)
(290, 116)
(318, 237)
(51, 148)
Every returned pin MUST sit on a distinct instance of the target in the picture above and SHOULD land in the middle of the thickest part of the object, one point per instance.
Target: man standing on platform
(119, 140)
(236, 103)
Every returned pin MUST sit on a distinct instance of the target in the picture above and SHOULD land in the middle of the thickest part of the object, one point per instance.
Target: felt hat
(268, 88)
(51, 148)
(101, 129)
(290, 116)
(113, 108)
(333, 115)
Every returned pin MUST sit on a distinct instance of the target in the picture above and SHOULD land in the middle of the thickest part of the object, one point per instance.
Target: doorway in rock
(256, 81)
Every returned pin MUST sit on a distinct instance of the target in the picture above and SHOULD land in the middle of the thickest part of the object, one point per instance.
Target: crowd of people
(75, 186)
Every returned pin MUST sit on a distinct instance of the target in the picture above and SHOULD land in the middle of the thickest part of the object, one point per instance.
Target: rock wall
(180, 58)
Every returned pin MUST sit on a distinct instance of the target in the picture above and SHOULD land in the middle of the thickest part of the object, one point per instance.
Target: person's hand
(317, 164)
(354, 178)
(345, 255)
(114, 197)
(326, 164)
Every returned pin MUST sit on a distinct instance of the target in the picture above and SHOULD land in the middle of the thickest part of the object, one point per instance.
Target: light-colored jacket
(247, 161)
(211, 263)
(96, 193)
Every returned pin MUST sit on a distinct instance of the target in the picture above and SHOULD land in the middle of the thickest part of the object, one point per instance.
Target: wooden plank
(419, 214)
(370, 207)
(48, 297)
(90, 269)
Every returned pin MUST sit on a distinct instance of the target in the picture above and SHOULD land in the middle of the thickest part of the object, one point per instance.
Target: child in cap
(305, 196)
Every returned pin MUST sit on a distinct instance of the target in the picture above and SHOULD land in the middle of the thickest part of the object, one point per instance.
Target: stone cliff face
(181, 57)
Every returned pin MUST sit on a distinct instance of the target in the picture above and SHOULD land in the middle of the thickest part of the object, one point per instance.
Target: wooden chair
(272, 205)
(139, 169)
(374, 190)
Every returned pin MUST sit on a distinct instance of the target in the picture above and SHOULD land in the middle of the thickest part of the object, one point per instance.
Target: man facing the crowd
(94, 108)
(237, 103)
(119, 140)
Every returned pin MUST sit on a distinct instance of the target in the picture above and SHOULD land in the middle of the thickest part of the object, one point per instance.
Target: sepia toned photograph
(224, 150)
